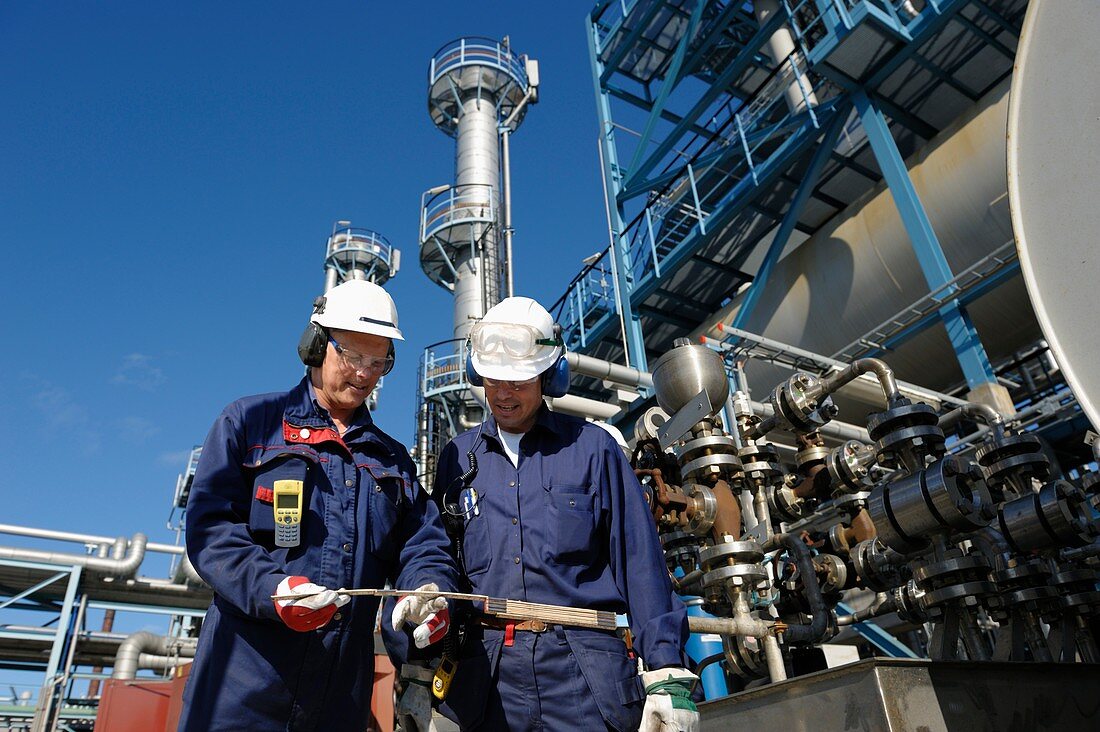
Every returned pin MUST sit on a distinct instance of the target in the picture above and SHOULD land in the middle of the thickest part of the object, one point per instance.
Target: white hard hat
(516, 340)
(359, 306)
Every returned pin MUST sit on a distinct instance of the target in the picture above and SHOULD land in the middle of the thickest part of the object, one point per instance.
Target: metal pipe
(141, 649)
(744, 626)
(883, 605)
(839, 430)
(781, 46)
(819, 611)
(125, 567)
(506, 203)
(583, 407)
(777, 670)
(83, 538)
(506, 186)
(979, 413)
(878, 367)
(608, 371)
(186, 574)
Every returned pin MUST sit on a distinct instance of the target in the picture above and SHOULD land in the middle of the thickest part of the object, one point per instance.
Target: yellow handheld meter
(288, 512)
(444, 675)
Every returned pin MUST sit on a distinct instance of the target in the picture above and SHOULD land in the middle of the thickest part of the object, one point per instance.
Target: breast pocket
(572, 522)
(261, 516)
(389, 499)
(477, 549)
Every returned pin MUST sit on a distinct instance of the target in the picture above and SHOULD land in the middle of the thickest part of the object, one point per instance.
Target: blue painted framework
(642, 259)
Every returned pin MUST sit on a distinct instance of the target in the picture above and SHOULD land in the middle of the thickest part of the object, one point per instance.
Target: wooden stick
(504, 608)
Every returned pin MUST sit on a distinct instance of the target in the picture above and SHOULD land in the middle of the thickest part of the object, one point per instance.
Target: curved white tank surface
(1054, 183)
(860, 269)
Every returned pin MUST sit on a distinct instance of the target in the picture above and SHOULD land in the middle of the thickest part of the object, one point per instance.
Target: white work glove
(668, 703)
(414, 710)
(313, 610)
(430, 615)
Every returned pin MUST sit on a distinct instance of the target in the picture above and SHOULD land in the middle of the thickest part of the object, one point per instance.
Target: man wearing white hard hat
(546, 509)
(299, 494)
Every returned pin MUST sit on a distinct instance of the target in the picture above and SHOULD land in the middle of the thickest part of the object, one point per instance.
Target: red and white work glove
(313, 610)
(430, 615)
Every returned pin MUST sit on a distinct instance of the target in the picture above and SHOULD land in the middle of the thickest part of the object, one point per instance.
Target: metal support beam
(634, 343)
(623, 47)
(790, 219)
(960, 330)
(671, 79)
(737, 67)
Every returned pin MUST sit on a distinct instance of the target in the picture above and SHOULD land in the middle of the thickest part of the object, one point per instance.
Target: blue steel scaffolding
(710, 149)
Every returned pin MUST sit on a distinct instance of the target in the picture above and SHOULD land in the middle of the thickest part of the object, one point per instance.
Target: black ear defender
(314, 341)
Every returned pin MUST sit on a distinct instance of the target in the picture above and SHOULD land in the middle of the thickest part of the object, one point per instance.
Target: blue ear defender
(473, 377)
(555, 380)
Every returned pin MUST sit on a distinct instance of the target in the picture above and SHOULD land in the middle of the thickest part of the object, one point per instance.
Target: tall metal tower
(355, 253)
(478, 93)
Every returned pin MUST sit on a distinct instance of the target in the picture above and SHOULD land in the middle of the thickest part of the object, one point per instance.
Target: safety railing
(457, 205)
(591, 294)
(476, 51)
(443, 368)
(746, 140)
(355, 240)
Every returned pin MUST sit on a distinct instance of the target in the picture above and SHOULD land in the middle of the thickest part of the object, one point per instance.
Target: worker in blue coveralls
(297, 494)
(551, 512)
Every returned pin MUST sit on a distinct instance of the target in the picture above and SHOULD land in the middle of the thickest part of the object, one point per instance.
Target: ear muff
(392, 355)
(555, 380)
(313, 344)
(473, 377)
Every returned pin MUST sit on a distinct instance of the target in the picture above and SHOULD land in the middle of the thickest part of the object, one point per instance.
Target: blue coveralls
(365, 521)
(569, 526)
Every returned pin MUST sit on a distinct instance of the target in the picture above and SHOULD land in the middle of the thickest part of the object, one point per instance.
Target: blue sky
(169, 173)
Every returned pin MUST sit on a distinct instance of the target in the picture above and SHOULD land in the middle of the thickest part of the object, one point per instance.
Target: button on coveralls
(365, 521)
(568, 526)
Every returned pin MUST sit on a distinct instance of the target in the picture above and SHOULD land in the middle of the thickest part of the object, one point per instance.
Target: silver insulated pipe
(148, 650)
(475, 87)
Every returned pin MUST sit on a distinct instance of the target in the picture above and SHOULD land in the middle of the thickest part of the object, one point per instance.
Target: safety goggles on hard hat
(511, 339)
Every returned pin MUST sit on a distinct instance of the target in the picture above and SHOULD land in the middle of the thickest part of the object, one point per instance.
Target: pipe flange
(835, 572)
(1035, 598)
(740, 576)
(739, 552)
(949, 569)
(967, 593)
(958, 494)
(706, 446)
(808, 457)
(798, 403)
(848, 468)
(705, 509)
(784, 504)
(1082, 603)
(724, 466)
(912, 426)
(1007, 455)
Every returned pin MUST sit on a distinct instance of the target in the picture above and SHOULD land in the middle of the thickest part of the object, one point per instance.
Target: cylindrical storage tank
(860, 269)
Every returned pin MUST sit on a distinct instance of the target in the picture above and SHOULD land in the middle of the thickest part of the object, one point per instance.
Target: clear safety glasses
(508, 340)
(360, 362)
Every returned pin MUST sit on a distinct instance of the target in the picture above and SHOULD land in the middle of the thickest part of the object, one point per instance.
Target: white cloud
(174, 458)
(137, 370)
(135, 429)
(61, 416)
